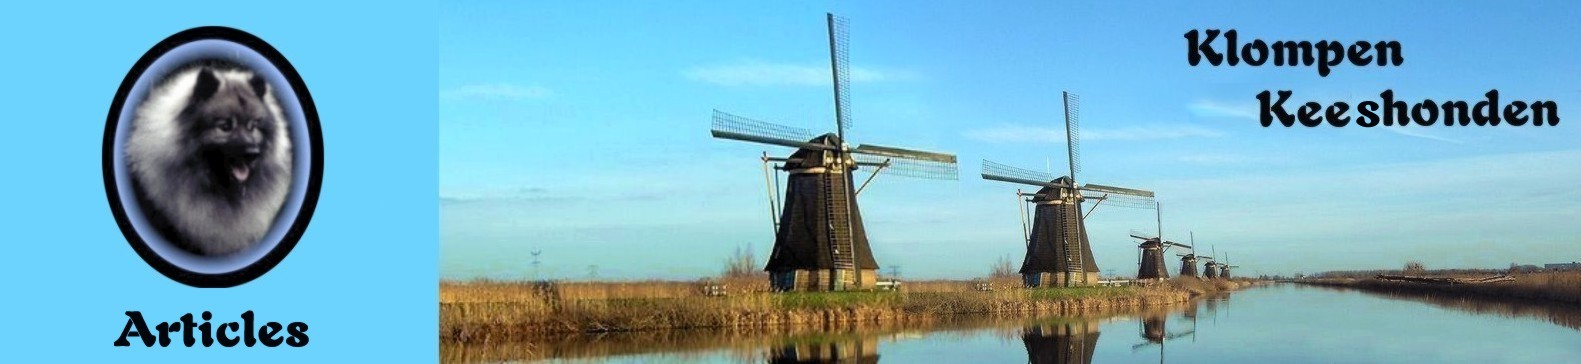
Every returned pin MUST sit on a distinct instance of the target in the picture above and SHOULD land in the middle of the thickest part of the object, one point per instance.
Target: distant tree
(741, 263)
(1414, 267)
(1003, 268)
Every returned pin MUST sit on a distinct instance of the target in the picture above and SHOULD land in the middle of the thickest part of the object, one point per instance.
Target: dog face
(230, 128)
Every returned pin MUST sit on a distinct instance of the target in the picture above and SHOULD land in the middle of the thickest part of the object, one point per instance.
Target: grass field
(484, 311)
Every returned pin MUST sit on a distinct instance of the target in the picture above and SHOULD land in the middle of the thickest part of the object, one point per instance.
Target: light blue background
(364, 274)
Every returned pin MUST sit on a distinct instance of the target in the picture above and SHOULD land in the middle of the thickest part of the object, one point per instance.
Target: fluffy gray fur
(180, 192)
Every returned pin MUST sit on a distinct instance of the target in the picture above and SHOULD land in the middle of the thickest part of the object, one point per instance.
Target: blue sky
(581, 129)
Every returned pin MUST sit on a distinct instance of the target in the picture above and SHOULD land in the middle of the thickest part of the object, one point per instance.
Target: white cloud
(1035, 134)
(1216, 109)
(758, 73)
(1407, 131)
(495, 91)
(1219, 159)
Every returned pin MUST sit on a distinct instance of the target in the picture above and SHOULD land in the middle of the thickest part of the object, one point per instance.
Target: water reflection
(853, 350)
(1068, 342)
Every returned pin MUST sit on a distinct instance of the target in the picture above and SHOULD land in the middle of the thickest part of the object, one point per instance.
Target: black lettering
(1486, 111)
(1277, 109)
(1329, 54)
(188, 328)
(1390, 50)
(1359, 55)
(1287, 52)
(298, 334)
(1308, 114)
(1542, 109)
(1394, 112)
(266, 334)
(164, 332)
(227, 340)
(1195, 51)
(1336, 114)
(247, 335)
(1514, 113)
(1455, 111)
(1430, 107)
(206, 327)
(1255, 59)
(1369, 114)
(135, 327)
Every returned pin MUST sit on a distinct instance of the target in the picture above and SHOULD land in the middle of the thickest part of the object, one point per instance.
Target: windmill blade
(735, 127)
(1073, 132)
(904, 153)
(1171, 243)
(1125, 201)
(916, 168)
(1006, 173)
(1142, 235)
(840, 59)
(1116, 190)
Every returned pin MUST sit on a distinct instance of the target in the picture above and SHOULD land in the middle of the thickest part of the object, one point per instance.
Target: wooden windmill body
(1188, 260)
(820, 242)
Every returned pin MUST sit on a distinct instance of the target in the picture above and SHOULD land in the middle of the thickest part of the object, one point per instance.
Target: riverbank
(1563, 288)
(489, 311)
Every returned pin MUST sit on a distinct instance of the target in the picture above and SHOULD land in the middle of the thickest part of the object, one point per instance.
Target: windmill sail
(1006, 173)
(840, 60)
(735, 127)
(908, 162)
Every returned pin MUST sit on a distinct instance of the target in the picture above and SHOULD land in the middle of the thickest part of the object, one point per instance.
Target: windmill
(1224, 269)
(1210, 270)
(819, 240)
(1150, 263)
(1188, 260)
(1058, 251)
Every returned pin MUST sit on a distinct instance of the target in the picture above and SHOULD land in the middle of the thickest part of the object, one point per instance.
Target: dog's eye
(225, 124)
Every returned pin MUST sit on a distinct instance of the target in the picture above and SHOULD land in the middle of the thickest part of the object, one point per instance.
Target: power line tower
(535, 264)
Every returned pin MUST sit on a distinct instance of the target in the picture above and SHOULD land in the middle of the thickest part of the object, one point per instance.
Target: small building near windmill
(1058, 251)
(821, 243)
(1152, 264)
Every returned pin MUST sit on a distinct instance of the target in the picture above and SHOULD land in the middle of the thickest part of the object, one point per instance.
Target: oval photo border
(292, 234)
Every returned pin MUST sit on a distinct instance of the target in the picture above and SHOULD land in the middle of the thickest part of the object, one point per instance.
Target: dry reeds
(1561, 287)
(491, 311)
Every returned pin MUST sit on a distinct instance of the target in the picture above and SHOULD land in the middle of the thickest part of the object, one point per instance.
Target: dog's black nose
(252, 152)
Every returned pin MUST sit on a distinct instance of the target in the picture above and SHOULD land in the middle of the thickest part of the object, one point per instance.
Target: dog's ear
(259, 86)
(207, 84)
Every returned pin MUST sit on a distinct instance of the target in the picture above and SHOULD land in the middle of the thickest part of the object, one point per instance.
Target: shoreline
(485, 311)
(1548, 288)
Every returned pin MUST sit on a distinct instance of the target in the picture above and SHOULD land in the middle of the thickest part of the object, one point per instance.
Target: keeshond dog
(210, 158)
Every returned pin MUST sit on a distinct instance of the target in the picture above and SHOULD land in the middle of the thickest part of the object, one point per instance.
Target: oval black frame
(315, 176)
